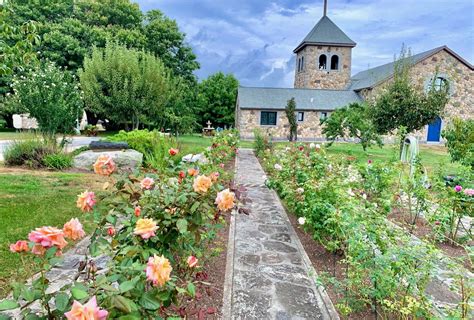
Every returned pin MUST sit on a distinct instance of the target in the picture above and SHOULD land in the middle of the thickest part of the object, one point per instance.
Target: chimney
(325, 7)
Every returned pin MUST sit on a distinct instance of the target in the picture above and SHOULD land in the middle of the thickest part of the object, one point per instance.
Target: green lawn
(14, 135)
(30, 199)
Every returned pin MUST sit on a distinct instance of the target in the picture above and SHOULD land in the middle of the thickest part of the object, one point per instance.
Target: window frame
(326, 115)
(337, 63)
(323, 55)
(268, 124)
(298, 113)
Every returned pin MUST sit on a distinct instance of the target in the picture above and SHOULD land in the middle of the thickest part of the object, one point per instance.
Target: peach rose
(193, 172)
(86, 201)
(202, 184)
(158, 270)
(104, 165)
(73, 229)
(225, 200)
(48, 237)
(215, 176)
(38, 249)
(147, 183)
(192, 261)
(19, 246)
(173, 151)
(145, 228)
(89, 311)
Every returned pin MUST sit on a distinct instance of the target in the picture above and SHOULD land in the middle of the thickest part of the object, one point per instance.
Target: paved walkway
(269, 274)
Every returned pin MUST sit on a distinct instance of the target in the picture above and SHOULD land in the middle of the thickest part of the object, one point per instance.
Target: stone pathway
(269, 275)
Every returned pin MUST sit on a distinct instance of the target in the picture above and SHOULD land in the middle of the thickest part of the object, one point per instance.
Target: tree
(402, 104)
(50, 95)
(217, 96)
(290, 111)
(459, 137)
(126, 86)
(352, 121)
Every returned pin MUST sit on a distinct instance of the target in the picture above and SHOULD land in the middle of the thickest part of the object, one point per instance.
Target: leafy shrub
(460, 141)
(3, 123)
(58, 161)
(261, 142)
(90, 130)
(30, 153)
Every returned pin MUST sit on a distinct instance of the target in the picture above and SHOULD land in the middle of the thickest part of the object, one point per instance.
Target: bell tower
(323, 58)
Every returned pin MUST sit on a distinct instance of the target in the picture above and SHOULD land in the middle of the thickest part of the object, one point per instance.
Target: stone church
(323, 83)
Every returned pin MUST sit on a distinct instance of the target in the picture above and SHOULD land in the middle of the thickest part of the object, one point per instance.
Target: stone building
(323, 83)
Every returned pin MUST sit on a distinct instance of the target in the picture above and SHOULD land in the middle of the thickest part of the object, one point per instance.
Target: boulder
(195, 158)
(108, 145)
(126, 160)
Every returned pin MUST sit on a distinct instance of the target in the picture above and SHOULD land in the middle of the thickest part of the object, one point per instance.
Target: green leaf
(51, 252)
(195, 206)
(149, 301)
(182, 225)
(126, 286)
(191, 289)
(79, 293)
(8, 305)
(122, 303)
(27, 294)
(61, 301)
(130, 317)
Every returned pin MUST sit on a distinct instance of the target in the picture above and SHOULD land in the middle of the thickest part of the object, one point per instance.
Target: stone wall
(313, 78)
(461, 82)
(308, 129)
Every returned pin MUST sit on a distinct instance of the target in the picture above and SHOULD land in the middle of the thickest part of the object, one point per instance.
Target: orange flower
(38, 249)
(192, 261)
(225, 200)
(147, 183)
(215, 176)
(158, 270)
(48, 237)
(173, 151)
(202, 184)
(138, 211)
(89, 311)
(86, 201)
(104, 165)
(19, 246)
(193, 172)
(145, 228)
(73, 229)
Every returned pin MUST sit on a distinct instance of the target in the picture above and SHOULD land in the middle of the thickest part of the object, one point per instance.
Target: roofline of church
(305, 43)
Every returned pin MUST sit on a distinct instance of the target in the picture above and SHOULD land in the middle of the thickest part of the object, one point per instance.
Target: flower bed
(154, 226)
(344, 206)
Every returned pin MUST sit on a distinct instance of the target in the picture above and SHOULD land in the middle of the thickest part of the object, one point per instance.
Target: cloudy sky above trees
(254, 39)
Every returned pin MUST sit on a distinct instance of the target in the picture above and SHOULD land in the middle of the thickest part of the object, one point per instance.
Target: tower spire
(325, 7)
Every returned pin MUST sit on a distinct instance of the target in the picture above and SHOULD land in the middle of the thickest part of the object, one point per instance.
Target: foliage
(352, 121)
(460, 141)
(125, 85)
(50, 95)
(58, 161)
(217, 96)
(402, 104)
(90, 130)
(30, 153)
(261, 142)
(290, 111)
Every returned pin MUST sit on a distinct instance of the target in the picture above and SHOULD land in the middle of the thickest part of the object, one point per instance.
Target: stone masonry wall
(313, 78)
(308, 129)
(461, 81)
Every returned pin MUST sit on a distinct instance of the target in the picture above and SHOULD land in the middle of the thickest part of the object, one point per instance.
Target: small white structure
(23, 121)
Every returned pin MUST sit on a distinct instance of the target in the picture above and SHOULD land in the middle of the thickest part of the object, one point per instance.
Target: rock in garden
(108, 145)
(125, 160)
(193, 158)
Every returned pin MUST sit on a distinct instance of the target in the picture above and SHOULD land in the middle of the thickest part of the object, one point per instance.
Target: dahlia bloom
(86, 201)
(145, 228)
(225, 200)
(48, 237)
(158, 270)
(73, 229)
(192, 261)
(19, 246)
(104, 165)
(202, 184)
(147, 183)
(89, 311)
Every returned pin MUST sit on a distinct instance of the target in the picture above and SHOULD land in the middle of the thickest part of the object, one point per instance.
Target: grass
(196, 143)
(30, 199)
(14, 135)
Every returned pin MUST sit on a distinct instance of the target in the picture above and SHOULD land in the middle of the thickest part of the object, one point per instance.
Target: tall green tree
(459, 137)
(217, 97)
(290, 111)
(126, 86)
(352, 121)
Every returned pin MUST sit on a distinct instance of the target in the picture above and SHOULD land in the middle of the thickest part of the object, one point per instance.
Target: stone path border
(268, 273)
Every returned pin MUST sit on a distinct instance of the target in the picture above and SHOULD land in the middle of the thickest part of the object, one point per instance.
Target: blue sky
(254, 39)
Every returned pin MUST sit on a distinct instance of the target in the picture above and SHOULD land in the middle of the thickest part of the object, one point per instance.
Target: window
(299, 64)
(322, 62)
(302, 63)
(300, 116)
(323, 116)
(268, 118)
(334, 63)
(440, 83)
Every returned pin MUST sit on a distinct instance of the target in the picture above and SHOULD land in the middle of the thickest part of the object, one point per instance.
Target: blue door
(434, 130)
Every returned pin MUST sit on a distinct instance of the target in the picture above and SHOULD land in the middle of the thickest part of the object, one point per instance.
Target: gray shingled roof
(371, 77)
(326, 32)
(306, 99)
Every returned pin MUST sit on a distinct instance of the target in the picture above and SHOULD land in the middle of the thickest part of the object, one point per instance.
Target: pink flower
(138, 211)
(48, 237)
(73, 229)
(147, 183)
(192, 261)
(158, 270)
(222, 165)
(104, 165)
(458, 188)
(86, 201)
(370, 161)
(225, 200)
(89, 311)
(145, 228)
(111, 231)
(469, 192)
(19, 246)
(173, 151)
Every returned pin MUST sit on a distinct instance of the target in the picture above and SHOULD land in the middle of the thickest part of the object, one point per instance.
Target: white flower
(318, 146)
(278, 167)
(312, 145)
(301, 220)
(300, 190)
(287, 149)
(350, 192)
(364, 196)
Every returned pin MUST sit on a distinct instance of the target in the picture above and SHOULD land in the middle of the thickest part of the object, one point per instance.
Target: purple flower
(370, 161)
(458, 188)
